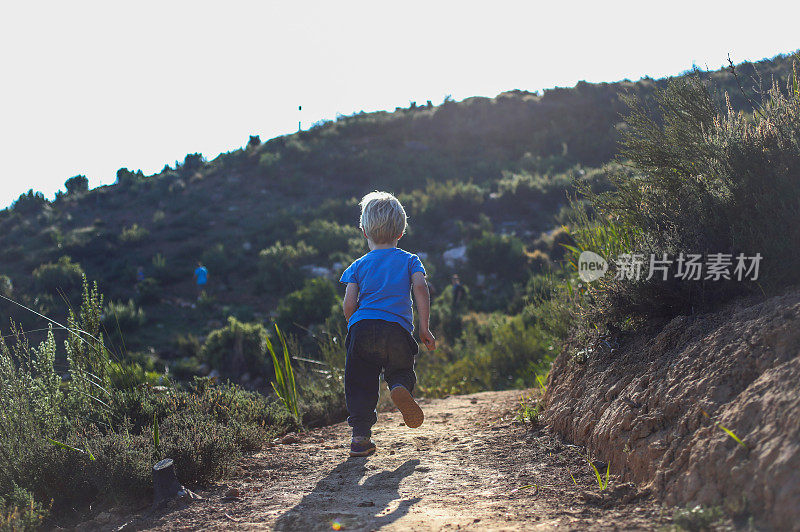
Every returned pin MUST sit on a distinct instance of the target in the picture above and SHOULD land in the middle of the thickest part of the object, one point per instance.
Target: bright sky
(89, 87)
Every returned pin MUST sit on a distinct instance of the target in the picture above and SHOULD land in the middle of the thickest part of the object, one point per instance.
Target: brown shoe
(412, 413)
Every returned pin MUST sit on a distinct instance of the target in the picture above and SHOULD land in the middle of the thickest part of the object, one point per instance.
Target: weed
(528, 411)
(726, 430)
(696, 519)
(601, 482)
(284, 383)
(573, 479)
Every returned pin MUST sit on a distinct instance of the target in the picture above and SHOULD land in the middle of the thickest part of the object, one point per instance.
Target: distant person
(200, 278)
(139, 274)
(377, 306)
(458, 290)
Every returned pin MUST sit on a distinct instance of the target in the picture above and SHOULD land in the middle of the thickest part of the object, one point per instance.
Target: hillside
(498, 165)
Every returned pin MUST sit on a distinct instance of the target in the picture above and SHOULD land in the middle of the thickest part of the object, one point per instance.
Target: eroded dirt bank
(642, 407)
(467, 468)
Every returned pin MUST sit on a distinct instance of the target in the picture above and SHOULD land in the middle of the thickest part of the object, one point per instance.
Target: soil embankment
(656, 407)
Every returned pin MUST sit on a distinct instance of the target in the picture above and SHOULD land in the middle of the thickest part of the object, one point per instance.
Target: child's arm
(423, 299)
(350, 302)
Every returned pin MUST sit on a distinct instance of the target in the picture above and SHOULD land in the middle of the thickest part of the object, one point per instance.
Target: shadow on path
(339, 498)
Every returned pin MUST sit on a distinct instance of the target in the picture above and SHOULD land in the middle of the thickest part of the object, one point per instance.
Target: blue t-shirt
(202, 275)
(383, 277)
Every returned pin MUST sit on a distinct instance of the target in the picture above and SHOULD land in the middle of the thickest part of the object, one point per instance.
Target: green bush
(90, 438)
(19, 511)
(62, 277)
(309, 305)
(238, 348)
(707, 180)
(126, 178)
(186, 346)
(77, 185)
(148, 291)
(327, 236)
(219, 259)
(278, 266)
(126, 317)
(6, 286)
(502, 255)
(269, 160)
(133, 234)
(498, 353)
(29, 203)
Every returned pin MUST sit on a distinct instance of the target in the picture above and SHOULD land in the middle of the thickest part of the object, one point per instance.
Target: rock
(103, 518)
(290, 439)
(366, 504)
(318, 271)
(232, 493)
(455, 255)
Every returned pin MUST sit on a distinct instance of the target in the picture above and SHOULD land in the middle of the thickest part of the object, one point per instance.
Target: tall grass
(284, 383)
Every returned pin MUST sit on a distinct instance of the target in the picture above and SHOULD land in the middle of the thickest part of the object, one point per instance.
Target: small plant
(697, 518)
(573, 479)
(528, 411)
(541, 380)
(284, 384)
(601, 482)
(726, 430)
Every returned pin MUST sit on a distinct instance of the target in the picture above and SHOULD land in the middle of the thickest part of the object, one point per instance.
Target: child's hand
(428, 339)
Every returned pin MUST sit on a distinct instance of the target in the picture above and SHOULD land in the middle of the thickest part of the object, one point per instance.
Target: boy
(377, 306)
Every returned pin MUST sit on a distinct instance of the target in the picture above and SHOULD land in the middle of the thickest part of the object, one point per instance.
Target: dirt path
(467, 468)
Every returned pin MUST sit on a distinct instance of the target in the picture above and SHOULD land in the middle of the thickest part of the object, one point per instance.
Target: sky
(90, 87)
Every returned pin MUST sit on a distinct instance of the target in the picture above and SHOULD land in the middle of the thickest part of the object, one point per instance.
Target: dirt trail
(467, 468)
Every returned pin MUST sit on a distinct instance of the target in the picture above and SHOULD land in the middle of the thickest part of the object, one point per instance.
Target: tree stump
(165, 482)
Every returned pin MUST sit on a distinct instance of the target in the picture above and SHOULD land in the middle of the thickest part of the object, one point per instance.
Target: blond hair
(383, 217)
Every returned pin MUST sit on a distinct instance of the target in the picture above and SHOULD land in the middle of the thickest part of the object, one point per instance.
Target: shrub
(6, 286)
(219, 259)
(91, 437)
(77, 184)
(707, 181)
(309, 305)
(29, 203)
(121, 318)
(62, 277)
(19, 511)
(237, 348)
(278, 266)
(327, 237)
(503, 255)
(186, 346)
(126, 178)
(133, 234)
(148, 291)
(447, 314)
(269, 160)
(192, 163)
(499, 352)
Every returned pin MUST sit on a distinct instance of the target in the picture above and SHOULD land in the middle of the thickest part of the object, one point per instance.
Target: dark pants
(374, 346)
